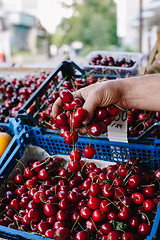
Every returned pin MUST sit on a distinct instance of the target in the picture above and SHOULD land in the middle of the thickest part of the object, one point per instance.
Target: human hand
(100, 94)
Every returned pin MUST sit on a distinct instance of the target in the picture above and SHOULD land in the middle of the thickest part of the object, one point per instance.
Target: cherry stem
(21, 163)
(146, 217)
(44, 162)
(74, 224)
(95, 226)
(109, 201)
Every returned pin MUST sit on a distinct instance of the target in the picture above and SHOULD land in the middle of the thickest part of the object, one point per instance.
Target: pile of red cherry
(110, 61)
(82, 201)
(15, 92)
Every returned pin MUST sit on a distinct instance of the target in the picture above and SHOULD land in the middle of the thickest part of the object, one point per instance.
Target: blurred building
(18, 26)
(128, 22)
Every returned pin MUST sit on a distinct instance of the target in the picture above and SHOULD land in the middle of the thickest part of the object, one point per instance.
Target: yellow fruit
(5, 139)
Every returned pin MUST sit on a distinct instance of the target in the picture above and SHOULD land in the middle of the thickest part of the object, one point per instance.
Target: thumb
(90, 105)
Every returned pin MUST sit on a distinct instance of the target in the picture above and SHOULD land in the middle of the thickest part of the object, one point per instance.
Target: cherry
(81, 236)
(42, 227)
(66, 96)
(62, 119)
(75, 154)
(89, 151)
(137, 197)
(120, 193)
(95, 189)
(76, 103)
(73, 197)
(112, 215)
(95, 129)
(148, 204)
(93, 202)
(90, 225)
(112, 110)
(34, 215)
(142, 117)
(15, 203)
(39, 196)
(49, 209)
(49, 233)
(128, 236)
(62, 215)
(59, 224)
(97, 216)
(107, 190)
(74, 166)
(105, 228)
(36, 166)
(125, 213)
(18, 179)
(85, 212)
(43, 174)
(80, 114)
(157, 174)
(51, 220)
(113, 235)
(134, 181)
(70, 137)
(134, 222)
(144, 229)
(62, 233)
(28, 173)
(105, 206)
(100, 114)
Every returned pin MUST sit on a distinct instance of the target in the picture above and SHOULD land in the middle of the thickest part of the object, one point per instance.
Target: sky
(51, 12)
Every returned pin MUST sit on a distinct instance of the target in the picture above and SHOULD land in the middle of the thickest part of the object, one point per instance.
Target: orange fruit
(5, 139)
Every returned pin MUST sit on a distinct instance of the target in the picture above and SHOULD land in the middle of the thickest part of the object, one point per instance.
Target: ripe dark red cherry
(70, 137)
(66, 96)
(89, 151)
(76, 154)
(112, 110)
(144, 229)
(85, 212)
(81, 236)
(95, 129)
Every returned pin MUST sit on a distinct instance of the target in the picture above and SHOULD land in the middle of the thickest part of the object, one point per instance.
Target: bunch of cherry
(79, 200)
(139, 121)
(110, 61)
(69, 121)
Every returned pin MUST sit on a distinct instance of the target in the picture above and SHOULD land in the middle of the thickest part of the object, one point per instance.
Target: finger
(57, 107)
(90, 105)
(78, 94)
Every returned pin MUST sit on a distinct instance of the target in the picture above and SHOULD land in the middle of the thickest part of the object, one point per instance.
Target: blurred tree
(93, 23)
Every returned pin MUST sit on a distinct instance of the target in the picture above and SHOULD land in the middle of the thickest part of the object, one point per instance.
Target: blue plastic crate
(12, 128)
(54, 144)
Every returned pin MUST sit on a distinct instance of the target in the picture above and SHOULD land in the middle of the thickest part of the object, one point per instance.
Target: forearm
(141, 92)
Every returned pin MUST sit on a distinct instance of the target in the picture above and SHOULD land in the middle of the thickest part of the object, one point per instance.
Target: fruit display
(71, 117)
(112, 64)
(74, 198)
(153, 65)
(5, 139)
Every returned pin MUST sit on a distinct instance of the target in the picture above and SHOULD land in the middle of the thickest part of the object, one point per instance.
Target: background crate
(53, 144)
(109, 71)
(68, 70)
